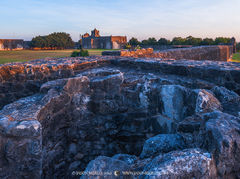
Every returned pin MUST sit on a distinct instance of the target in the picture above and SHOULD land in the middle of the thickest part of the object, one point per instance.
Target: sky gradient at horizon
(134, 18)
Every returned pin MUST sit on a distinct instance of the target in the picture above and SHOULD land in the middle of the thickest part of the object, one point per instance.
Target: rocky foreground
(120, 117)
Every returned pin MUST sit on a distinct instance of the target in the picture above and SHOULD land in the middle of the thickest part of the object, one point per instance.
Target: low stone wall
(24, 79)
(165, 47)
(214, 53)
(126, 53)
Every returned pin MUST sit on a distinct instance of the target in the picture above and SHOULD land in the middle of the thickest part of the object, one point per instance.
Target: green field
(236, 57)
(26, 55)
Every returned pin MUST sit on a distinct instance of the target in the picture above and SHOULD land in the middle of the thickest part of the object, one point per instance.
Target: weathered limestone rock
(219, 73)
(162, 124)
(106, 167)
(77, 85)
(56, 84)
(24, 79)
(221, 137)
(189, 163)
(229, 99)
(21, 156)
(162, 143)
(21, 140)
(190, 124)
(206, 102)
(173, 101)
(224, 95)
(128, 159)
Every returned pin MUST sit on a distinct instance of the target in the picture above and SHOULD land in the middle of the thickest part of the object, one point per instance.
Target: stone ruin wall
(118, 42)
(108, 42)
(97, 43)
(35, 134)
(124, 101)
(215, 53)
(11, 44)
(20, 80)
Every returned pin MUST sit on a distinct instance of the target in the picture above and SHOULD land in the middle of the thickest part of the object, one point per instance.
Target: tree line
(56, 40)
(62, 40)
(181, 41)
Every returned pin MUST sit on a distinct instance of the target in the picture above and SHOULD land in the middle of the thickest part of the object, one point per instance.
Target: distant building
(95, 41)
(11, 44)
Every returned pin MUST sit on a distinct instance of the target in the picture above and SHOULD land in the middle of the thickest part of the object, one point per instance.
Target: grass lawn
(236, 57)
(26, 55)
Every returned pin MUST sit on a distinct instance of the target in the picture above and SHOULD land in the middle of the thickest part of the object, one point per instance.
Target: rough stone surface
(129, 159)
(106, 167)
(215, 53)
(162, 143)
(189, 163)
(57, 115)
(190, 124)
(221, 137)
(206, 102)
(173, 101)
(229, 99)
(224, 95)
(25, 79)
(21, 139)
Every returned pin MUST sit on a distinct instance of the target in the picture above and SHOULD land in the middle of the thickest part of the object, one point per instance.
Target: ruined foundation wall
(124, 100)
(214, 53)
(24, 79)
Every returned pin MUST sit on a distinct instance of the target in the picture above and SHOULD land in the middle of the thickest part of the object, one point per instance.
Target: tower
(95, 33)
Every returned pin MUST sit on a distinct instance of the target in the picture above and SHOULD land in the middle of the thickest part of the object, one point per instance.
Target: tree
(134, 41)
(144, 42)
(56, 40)
(178, 41)
(222, 40)
(163, 41)
(150, 41)
(39, 42)
(193, 41)
(207, 41)
(190, 40)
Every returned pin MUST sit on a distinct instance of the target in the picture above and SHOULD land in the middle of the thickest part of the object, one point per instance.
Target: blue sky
(138, 18)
